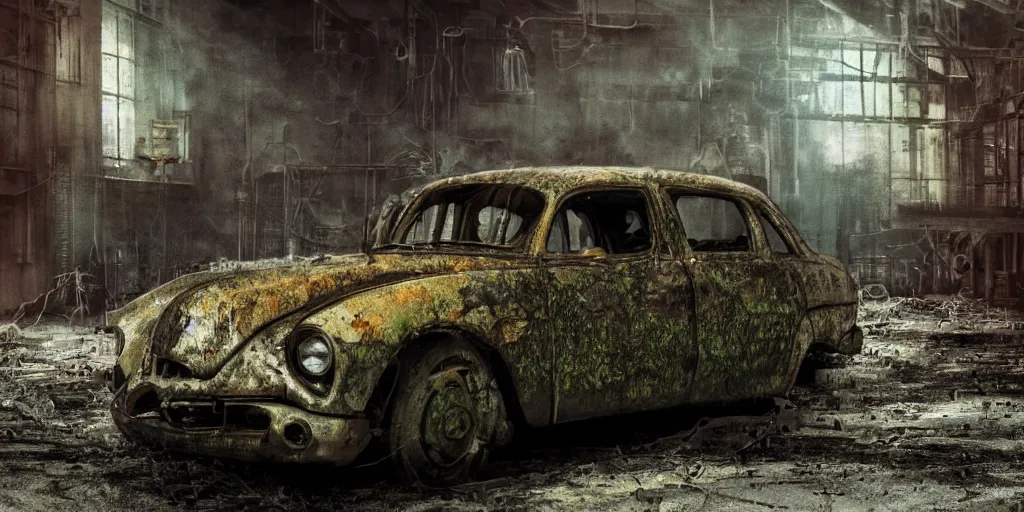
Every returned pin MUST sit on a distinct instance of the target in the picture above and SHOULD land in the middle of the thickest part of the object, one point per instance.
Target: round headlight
(314, 356)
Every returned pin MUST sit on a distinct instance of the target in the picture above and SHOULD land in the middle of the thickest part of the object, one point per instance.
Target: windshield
(494, 215)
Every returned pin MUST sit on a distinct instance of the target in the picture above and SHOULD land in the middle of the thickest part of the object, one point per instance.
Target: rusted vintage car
(514, 297)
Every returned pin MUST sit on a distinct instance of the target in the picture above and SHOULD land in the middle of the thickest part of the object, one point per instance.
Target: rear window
(712, 224)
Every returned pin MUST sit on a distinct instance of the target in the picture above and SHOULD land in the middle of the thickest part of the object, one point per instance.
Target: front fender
(369, 328)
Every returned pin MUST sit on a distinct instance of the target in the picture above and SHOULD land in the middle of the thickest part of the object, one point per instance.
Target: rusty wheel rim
(447, 429)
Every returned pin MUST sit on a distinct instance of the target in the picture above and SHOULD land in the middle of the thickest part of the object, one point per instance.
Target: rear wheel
(447, 412)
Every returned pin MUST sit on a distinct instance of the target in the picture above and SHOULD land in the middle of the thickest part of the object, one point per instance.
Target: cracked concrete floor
(930, 417)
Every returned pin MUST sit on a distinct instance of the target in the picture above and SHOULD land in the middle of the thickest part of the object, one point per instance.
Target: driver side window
(615, 221)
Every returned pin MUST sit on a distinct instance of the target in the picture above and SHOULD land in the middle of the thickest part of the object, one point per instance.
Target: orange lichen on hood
(413, 294)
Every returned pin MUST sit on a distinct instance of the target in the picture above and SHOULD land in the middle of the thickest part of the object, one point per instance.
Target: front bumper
(279, 432)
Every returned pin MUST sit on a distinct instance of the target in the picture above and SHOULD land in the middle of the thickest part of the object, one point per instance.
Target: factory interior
(145, 140)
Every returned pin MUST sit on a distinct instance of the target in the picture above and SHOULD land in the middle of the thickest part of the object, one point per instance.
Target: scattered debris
(915, 426)
(10, 333)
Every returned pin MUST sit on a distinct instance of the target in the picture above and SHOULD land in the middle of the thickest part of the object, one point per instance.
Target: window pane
(581, 233)
(126, 128)
(109, 38)
(124, 37)
(109, 74)
(493, 214)
(713, 224)
(109, 116)
(556, 237)
(575, 229)
(498, 225)
(775, 240)
(619, 218)
(126, 78)
(447, 232)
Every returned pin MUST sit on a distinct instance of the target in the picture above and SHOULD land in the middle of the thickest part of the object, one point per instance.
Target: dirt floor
(930, 417)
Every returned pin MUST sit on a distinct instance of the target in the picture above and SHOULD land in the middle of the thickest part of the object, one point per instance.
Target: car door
(778, 247)
(664, 355)
(598, 252)
(747, 306)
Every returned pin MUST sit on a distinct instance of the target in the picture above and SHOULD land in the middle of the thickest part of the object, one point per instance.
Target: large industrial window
(118, 48)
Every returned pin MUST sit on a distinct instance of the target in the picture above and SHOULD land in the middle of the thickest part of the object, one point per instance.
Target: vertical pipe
(285, 227)
(163, 214)
(796, 154)
(711, 21)
(889, 158)
(863, 98)
(989, 269)
(1020, 168)
(700, 100)
(842, 108)
(1016, 251)
(366, 211)
(1004, 247)
(891, 108)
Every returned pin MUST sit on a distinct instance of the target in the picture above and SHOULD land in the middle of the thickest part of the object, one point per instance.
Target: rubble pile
(10, 333)
(44, 370)
(954, 313)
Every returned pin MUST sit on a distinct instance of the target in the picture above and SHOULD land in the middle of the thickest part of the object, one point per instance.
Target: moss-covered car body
(207, 363)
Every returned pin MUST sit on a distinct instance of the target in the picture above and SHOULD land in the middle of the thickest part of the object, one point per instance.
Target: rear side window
(775, 240)
(712, 224)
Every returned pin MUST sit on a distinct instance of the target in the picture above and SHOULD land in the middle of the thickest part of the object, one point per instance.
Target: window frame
(671, 195)
(652, 216)
(124, 149)
(759, 214)
(782, 226)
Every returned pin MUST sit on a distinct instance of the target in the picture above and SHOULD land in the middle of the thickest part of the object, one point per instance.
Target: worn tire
(445, 413)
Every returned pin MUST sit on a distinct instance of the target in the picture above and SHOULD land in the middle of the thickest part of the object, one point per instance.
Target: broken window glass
(615, 221)
(498, 215)
(713, 224)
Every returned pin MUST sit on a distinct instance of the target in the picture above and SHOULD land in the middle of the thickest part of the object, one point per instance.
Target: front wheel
(446, 413)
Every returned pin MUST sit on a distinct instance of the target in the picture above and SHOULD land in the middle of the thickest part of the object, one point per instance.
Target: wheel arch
(377, 402)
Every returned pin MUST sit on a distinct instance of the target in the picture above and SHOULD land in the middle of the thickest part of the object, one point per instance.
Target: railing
(942, 195)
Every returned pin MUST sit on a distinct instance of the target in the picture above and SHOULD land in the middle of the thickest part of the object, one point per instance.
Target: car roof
(560, 179)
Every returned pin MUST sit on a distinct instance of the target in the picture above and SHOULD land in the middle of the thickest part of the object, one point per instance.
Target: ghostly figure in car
(636, 236)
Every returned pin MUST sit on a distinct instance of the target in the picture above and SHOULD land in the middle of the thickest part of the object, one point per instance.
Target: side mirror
(594, 252)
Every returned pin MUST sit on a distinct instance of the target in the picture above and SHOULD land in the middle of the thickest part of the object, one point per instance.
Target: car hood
(201, 320)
